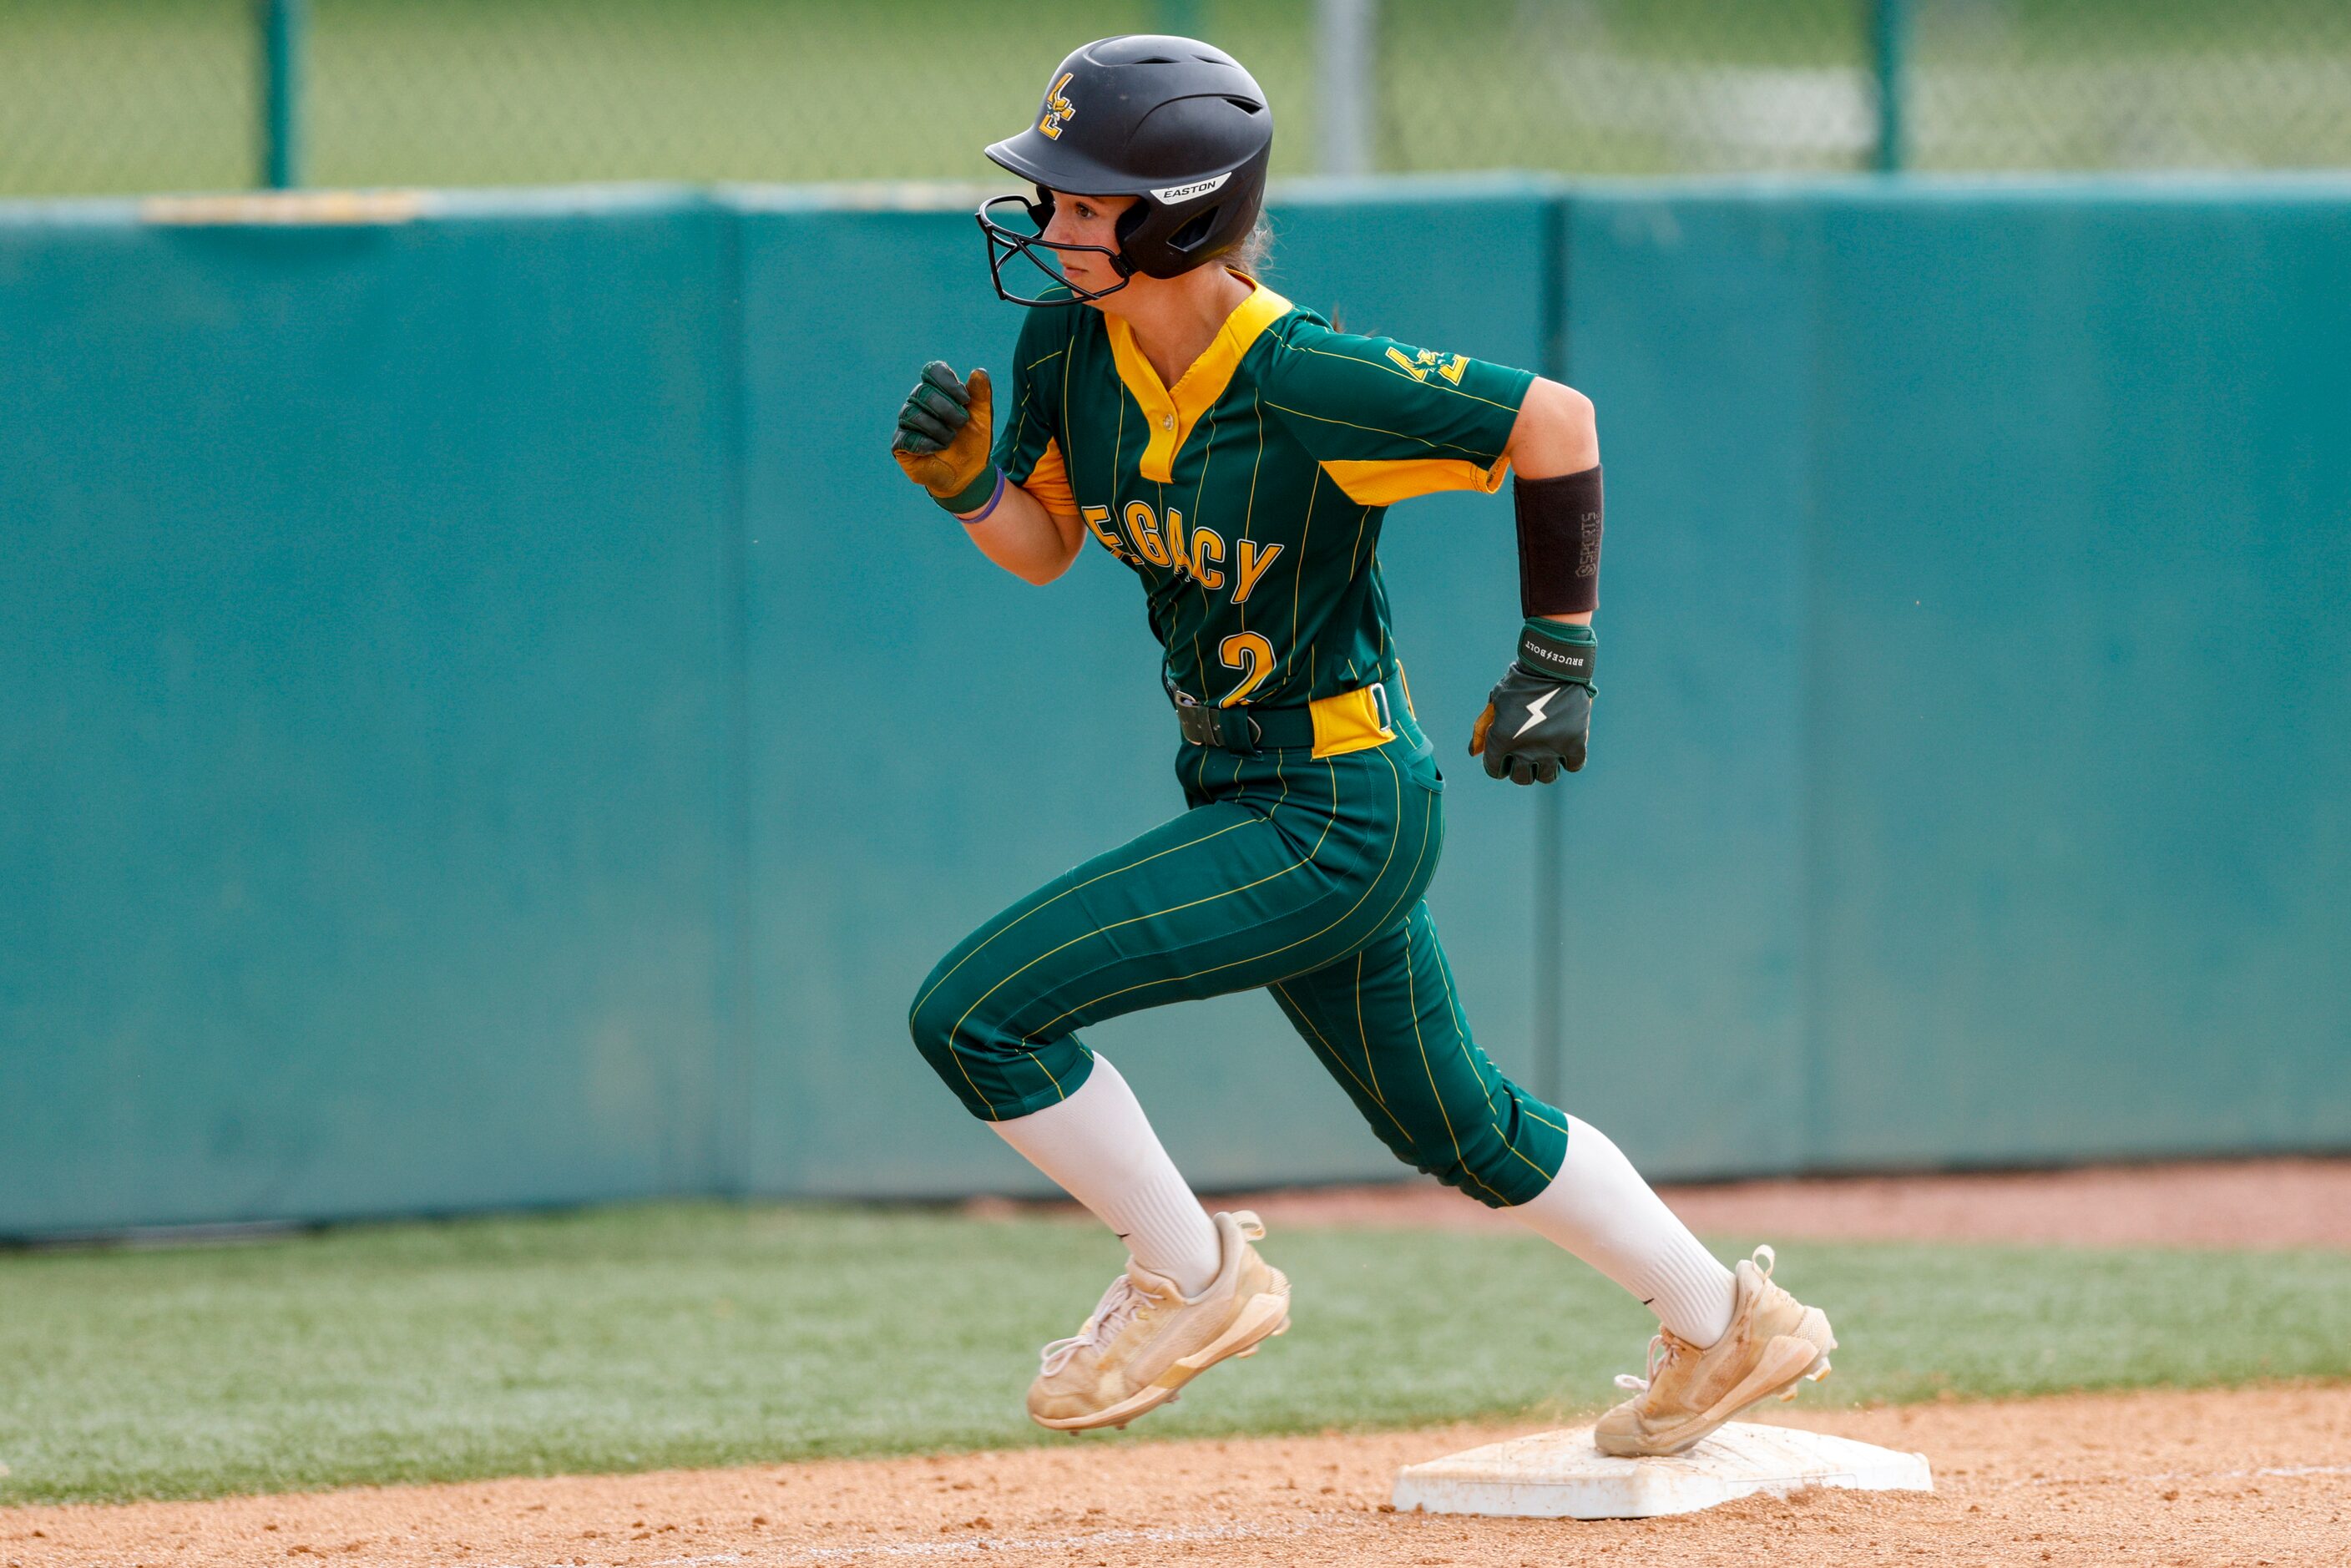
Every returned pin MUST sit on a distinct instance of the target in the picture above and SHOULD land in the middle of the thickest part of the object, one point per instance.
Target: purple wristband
(968, 518)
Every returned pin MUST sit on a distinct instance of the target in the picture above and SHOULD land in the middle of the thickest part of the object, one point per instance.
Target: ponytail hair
(1256, 249)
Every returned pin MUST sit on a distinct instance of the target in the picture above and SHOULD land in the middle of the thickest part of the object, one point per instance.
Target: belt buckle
(1199, 725)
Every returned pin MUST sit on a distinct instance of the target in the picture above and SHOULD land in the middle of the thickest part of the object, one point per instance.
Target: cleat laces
(1663, 1348)
(1116, 1309)
(1664, 1345)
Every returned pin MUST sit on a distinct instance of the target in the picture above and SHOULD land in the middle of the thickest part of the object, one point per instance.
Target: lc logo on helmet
(1057, 107)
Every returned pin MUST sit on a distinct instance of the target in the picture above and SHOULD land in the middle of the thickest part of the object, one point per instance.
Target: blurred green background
(143, 95)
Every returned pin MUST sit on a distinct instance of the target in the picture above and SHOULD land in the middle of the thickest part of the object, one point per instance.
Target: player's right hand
(943, 432)
(1532, 727)
(1537, 718)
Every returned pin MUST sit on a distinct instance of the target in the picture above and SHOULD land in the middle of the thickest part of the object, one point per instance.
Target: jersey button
(1166, 422)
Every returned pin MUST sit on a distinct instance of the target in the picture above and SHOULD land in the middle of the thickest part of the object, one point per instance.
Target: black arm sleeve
(1558, 543)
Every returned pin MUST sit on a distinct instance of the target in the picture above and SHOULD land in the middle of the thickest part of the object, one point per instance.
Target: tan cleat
(1774, 1341)
(1145, 1341)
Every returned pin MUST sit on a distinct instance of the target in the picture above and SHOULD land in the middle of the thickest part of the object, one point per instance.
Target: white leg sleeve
(1100, 1148)
(1599, 1208)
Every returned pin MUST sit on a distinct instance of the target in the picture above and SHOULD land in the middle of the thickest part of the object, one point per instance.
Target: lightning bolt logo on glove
(1538, 719)
(1535, 714)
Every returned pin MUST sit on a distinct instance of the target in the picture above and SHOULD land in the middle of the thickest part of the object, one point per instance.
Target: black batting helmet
(1174, 123)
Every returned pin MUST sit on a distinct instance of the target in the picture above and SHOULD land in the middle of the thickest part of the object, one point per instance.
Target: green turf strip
(704, 1336)
(142, 95)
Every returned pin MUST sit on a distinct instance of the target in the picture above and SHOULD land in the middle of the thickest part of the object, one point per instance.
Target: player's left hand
(1536, 722)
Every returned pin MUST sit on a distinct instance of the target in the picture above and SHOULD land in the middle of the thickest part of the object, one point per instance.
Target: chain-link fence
(139, 95)
(1674, 86)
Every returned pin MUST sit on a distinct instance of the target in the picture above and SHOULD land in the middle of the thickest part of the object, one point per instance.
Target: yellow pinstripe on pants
(1301, 875)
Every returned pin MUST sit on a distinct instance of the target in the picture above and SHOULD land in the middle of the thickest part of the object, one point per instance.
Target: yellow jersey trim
(1049, 481)
(1348, 722)
(1383, 481)
(1174, 412)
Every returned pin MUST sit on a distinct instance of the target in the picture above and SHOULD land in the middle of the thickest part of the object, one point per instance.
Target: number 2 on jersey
(1246, 649)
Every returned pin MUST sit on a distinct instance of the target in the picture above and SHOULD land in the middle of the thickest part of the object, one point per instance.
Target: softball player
(1238, 456)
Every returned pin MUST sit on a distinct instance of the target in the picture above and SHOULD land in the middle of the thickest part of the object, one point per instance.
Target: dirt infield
(2249, 1478)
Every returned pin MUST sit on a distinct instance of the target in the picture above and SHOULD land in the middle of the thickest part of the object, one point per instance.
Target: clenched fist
(943, 438)
(1537, 718)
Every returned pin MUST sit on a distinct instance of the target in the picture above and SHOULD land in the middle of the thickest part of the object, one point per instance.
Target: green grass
(140, 94)
(704, 1334)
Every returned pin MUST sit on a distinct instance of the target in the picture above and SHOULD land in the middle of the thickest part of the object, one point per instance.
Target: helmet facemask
(1003, 243)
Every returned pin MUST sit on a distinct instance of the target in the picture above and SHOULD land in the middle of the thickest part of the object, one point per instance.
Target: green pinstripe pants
(1299, 875)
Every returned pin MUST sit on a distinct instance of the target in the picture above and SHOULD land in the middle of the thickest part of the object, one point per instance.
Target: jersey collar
(1172, 412)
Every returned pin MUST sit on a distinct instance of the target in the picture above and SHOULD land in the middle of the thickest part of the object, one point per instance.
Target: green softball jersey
(1248, 497)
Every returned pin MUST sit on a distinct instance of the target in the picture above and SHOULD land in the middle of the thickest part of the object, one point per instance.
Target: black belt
(1246, 729)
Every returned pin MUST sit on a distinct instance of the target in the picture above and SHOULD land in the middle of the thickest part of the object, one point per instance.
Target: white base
(1559, 1475)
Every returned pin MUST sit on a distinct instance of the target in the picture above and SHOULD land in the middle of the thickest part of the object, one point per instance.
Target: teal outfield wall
(364, 736)
(456, 681)
(1980, 698)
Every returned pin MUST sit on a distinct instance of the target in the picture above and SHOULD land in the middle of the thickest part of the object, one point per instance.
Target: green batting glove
(943, 438)
(1538, 719)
